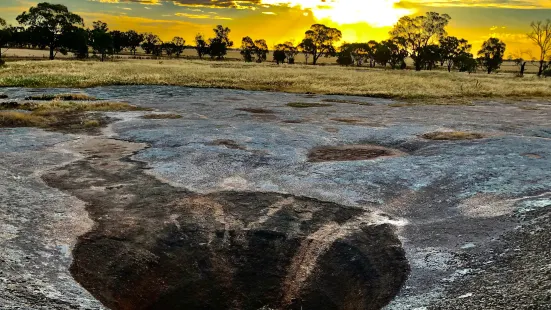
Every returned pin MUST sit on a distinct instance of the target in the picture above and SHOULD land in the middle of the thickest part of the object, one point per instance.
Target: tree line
(423, 39)
(54, 27)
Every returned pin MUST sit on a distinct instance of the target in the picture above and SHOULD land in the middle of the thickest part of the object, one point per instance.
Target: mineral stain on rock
(156, 246)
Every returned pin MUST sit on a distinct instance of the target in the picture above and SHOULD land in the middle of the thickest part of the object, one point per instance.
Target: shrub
(547, 72)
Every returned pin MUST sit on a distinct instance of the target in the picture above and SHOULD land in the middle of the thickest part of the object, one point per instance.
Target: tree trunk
(449, 67)
(489, 70)
(52, 56)
(540, 70)
(522, 67)
(102, 57)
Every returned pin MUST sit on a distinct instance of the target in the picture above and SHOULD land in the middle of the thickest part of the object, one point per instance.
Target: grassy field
(233, 55)
(267, 76)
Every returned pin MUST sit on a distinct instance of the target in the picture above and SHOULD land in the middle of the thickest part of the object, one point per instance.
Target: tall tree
(151, 43)
(419, 32)
(101, 40)
(260, 50)
(220, 43)
(323, 40)
(201, 46)
(357, 53)
(279, 56)
(289, 50)
(52, 21)
(541, 36)
(120, 41)
(391, 52)
(465, 62)
(134, 40)
(451, 48)
(372, 44)
(430, 56)
(307, 48)
(179, 45)
(344, 56)
(247, 49)
(77, 41)
(491, 54)
(5, 36)
(254, 49)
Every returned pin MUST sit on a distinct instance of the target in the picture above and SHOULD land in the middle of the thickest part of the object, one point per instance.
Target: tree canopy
(52, 22)
(321, 41)
(491, 54)
(420, 31)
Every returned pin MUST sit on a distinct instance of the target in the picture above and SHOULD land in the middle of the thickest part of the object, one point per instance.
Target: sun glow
(378, 13)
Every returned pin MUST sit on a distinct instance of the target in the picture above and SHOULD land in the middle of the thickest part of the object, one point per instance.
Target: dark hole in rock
(331, 129)
(303, 105)
(230, 144)
(347, 101)
(162, 116)
(234, 99)
(294, 121)
(532, 155)
(256, 110)
(351, 152)
(346, 120)
(155, 246)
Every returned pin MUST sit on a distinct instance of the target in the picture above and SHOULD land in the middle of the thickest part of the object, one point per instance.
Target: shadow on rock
(155, 246)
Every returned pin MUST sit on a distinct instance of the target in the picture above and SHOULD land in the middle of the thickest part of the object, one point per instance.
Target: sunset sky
(283, 20)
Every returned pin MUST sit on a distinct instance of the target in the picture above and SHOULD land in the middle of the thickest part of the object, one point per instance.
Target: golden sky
(283, 20)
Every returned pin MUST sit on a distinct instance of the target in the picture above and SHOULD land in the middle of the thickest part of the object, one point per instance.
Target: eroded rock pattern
(155, 246)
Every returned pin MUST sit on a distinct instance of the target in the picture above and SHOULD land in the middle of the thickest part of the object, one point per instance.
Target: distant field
(399, 84)
(507, 67)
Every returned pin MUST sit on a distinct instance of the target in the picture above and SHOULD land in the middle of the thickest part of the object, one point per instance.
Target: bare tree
(541, 36)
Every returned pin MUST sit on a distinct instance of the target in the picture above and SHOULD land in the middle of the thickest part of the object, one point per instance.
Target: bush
(547, 72)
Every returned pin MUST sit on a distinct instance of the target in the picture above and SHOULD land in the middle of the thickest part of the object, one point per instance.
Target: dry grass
(22, 119)
(62, 106)
(452, 135)
(162, 116)
(58, 115)
(62, 97)
(267, 76)
(91, 123)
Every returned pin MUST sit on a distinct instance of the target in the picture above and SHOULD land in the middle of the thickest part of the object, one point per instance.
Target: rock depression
(157, 246)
